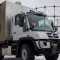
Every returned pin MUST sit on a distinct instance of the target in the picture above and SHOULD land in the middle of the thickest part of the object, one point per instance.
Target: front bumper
(52, 44)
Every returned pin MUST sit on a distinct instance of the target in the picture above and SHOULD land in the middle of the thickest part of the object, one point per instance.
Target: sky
(36, 3)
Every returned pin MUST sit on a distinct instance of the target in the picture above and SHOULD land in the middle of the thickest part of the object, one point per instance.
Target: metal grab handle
(14, 33)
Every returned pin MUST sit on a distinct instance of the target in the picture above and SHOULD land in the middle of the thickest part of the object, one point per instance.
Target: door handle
(14, 33)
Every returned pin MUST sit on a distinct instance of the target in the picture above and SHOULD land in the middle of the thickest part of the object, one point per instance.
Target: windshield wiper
(42, 30)
(51, 31)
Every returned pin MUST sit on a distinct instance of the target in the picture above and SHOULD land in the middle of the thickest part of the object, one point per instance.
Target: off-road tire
(30, 55)
(1, 57)
(52, 57)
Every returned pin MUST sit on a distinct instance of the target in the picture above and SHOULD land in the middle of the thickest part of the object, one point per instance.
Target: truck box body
(7, 11)
(2, 22)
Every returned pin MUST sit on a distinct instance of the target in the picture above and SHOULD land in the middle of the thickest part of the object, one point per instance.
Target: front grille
(54, 40)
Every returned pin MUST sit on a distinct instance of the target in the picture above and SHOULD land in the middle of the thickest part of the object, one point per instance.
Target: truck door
(18, 26)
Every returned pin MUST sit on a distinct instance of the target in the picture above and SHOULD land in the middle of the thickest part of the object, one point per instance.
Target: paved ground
(36, 58)
(13, 58)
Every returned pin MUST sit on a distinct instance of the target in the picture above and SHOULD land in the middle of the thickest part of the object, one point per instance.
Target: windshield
(41, 22)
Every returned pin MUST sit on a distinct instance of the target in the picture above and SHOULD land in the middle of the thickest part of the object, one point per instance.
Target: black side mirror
(55, 28)
(52, 24)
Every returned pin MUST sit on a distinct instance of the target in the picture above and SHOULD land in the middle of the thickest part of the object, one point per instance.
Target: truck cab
(34, 30)
(30, 23)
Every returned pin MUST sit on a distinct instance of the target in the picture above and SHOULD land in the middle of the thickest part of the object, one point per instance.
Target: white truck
(25, 33)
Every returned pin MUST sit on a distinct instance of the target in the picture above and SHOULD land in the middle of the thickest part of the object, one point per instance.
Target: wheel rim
(24, 54)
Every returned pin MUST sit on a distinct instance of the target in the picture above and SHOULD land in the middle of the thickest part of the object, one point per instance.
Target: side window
(19, 20)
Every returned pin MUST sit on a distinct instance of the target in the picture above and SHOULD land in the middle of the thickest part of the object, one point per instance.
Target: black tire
(52, 57)
(26, 53)
(1, 57)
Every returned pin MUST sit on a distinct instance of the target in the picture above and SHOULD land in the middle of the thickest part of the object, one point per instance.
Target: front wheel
(52, 57)
(26, 53)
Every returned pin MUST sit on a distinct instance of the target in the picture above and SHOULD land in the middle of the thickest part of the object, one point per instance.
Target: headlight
(44, 44)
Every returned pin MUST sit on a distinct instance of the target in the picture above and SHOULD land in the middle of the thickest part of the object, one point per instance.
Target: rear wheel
(52, 57)
(26, 53)
(1, 57)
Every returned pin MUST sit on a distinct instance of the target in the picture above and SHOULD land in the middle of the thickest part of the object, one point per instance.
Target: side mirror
(52, 24)
(55, 29)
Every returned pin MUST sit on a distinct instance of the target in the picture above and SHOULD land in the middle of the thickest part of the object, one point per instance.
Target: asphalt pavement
(36, 58)
(14, 58)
